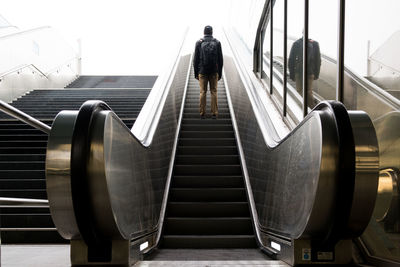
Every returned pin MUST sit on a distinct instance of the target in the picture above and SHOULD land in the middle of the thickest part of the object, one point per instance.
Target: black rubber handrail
(99, 247)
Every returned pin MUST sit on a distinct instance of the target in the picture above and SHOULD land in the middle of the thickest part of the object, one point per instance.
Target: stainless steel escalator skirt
(125, 180)
(300, 183)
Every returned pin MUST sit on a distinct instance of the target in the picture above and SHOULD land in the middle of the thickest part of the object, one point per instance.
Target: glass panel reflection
(266, 54)
(372, 83)
(323, 37)
(278, 46)
(295, 23)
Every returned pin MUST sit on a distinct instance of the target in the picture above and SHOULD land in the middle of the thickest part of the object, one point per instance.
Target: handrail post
(271, 48)
(305, 56)
(340, 55)
(284, 58)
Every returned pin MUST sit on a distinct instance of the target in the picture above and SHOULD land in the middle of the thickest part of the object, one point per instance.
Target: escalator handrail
(146, 123)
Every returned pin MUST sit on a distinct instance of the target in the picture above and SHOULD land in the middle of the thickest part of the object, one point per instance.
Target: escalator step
(208, 209)
(207, 159)
(207, 150)
(206, 127)
(202, 122)
(208, 226)
(209, 241)
(196, 110)
(207, 170)
(208, 194)
(196, 115)
(207, 181)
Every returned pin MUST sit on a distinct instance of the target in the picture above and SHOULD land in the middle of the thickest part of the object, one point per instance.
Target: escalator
(377, 97)
(175, 182)
(207, 204)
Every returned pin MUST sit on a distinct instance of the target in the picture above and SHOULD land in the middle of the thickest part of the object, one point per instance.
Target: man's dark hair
(208, 30)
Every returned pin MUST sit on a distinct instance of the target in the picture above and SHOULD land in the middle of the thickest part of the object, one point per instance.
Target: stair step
(23, 153)
(22, 174)
(45, 236)
(22, 165)
(20, 131)
(17, 137)
(207, 194)
(22, 183)
(19, 210)
(23, 157)
(208, 226)
(208, 209)
(23, 150)
(24, 193)
(209, 241)
(26, 221)
(16, 126)
(27, 144)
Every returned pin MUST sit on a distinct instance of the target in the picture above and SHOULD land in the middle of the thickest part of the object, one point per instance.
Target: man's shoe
(214, 117)
(202, 117)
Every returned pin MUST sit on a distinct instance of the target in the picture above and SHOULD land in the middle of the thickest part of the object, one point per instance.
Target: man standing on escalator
(207, 63)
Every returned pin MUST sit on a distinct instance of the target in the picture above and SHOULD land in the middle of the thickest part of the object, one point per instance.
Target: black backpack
(209, 53)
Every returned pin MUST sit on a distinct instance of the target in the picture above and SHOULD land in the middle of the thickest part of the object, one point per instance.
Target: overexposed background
(125, 37)
(119, 37)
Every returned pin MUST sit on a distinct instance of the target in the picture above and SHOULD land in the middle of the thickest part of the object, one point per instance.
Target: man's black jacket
(198, 65)
(296, 58)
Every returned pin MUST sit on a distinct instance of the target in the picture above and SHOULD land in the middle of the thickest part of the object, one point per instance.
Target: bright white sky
(138, 36)
(119, 36)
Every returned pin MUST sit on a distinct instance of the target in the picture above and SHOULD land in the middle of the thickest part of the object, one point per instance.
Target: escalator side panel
(298, 183)
(134, 192)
